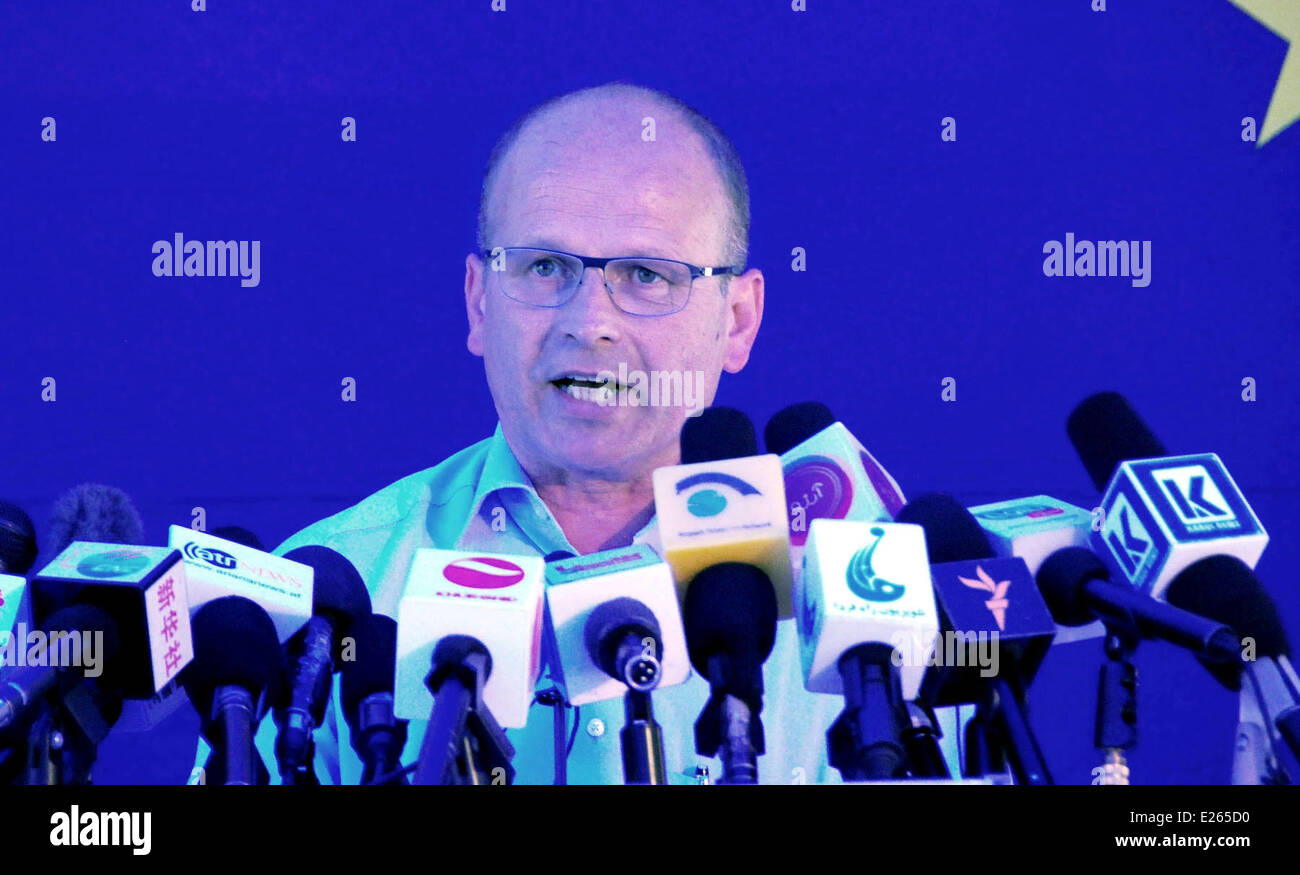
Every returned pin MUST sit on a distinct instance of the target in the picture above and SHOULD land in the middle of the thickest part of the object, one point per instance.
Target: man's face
(583, 181)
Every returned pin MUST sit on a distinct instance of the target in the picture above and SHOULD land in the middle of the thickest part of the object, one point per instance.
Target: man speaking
(576, 186)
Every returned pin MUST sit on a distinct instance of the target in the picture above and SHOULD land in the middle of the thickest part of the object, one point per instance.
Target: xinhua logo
(114, 563)
(862, 578)
(210, 555)
(483, 572)
(711, 502)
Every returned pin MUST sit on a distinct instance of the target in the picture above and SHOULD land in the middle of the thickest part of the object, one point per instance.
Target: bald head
(689, 160)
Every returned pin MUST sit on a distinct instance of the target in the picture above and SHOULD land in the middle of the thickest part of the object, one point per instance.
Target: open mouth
(587, 387)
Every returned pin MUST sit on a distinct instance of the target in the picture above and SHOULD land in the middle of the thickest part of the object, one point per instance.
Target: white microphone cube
(577, 586)
(1033, 528)
(865, 582)
(216, 567)
(1163, 514)
(496, 599)
(731, 510)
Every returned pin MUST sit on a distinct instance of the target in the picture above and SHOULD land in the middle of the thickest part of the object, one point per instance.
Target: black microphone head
(795, 424)
(239, 535)
(235, 643)
(558, 556)
(729, 608)
(609, 617)
(375, 641)
(94, 512)
(17, 540)
(338, 592)
(718, 433)
(1225, 589)
(1062, 579)
(1106, 430)
(952, 534)
(86, 618)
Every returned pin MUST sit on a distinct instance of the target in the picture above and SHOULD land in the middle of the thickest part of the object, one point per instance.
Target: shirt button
(595, 727)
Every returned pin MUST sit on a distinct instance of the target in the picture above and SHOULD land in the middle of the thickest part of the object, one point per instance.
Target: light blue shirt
(480, 499)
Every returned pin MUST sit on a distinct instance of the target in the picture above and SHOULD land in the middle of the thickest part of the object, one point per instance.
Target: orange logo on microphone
(997, 591)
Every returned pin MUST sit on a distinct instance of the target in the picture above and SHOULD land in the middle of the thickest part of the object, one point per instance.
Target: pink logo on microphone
(483, 572)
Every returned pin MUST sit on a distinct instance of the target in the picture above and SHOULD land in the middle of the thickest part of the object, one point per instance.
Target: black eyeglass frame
(588, 261)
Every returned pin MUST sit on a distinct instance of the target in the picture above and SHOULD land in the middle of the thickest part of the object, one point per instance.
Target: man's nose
(590, 315)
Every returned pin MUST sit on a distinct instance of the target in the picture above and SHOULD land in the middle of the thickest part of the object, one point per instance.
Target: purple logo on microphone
(817, 488)
(483, 572)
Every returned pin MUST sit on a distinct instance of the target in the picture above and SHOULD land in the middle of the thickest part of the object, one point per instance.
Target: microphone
(367, 689)
(828, 473)
(729, 615)
(216, 567)
(340, 599)
(17, 540)
(143, 589)
(239, 535)
(94, 512)
(724, 503)
(623, 638)
(496, 600)
(983, 598)
(865, 596)
(24, 686)
(237, 666)
(61, 700)
(1225, 588)
(1078, 589)
(622, 597)
(1161, 513)
(1033, 528)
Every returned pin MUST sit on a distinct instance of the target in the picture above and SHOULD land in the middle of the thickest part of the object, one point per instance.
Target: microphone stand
(1018, 741)
(63, 742)
(463, 743)
(983, 755)
(866, 741)
(642, 741)
(729, 726)
(235, 759)
(1117, 702)
(921, 742)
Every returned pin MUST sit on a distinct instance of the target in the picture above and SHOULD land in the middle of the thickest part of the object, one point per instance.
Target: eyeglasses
(637, 286)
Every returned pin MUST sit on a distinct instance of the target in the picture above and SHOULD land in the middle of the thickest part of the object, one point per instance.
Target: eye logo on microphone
(862, 578)
(483, 572)
(711, 502)
(997, 590)
(210, 555)
(114, 563)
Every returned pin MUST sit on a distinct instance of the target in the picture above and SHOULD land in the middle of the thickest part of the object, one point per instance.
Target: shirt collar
(502, 471)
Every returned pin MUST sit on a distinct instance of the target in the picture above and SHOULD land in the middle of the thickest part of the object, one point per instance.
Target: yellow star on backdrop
(1283, 18)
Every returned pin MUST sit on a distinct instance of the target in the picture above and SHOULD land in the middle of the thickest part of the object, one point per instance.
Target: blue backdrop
(924, 257)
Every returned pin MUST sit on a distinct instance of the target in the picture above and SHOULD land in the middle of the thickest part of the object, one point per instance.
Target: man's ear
(475, 302)
(745, 313)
